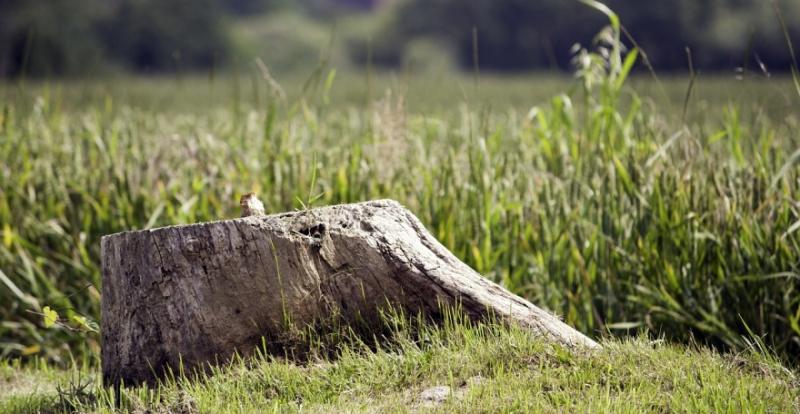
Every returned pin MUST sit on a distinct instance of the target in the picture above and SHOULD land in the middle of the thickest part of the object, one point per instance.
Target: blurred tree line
(89, 37)
(57, 37)
(524, 34)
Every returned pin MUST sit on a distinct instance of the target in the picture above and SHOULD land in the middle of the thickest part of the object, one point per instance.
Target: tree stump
(195, 294)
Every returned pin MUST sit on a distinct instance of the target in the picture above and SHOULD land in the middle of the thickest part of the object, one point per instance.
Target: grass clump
(487, 367)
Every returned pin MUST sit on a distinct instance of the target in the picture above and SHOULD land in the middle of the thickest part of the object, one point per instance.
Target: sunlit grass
(488, 368)
(614, 209)
(613, 215)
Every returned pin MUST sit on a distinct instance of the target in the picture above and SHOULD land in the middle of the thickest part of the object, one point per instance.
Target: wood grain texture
(195, 294)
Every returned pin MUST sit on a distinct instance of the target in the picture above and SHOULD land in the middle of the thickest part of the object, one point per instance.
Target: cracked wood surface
(197, 293)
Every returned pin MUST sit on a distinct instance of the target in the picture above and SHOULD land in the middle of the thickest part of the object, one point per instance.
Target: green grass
(647, 213)
(603, 204)
(439, 93)
(599, 206)
(489, 368)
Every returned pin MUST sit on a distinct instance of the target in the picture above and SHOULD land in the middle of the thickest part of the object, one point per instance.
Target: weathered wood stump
(196, 294)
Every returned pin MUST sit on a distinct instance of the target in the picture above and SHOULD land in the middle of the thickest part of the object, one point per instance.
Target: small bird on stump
(251, 205)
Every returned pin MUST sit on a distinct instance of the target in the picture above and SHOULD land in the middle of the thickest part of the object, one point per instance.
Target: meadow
(647, 207)
(486, 368)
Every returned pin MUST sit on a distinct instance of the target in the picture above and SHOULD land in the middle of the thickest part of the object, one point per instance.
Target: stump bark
(195, 294)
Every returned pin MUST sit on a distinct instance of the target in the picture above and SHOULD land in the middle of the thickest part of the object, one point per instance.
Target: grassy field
(487, 368)
(630, 208)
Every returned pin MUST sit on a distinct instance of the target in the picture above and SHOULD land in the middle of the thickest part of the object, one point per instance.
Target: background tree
(518, 34)
(86, 37)
(157, 35)
(49, 38)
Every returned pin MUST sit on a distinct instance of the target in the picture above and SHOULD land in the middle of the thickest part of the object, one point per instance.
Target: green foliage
(512, 34)
(276, 40)
(596, 205)
(166, 35)
(610, 216)
(50, 317)
(50, 37)
(96, 37)
(489, 368)
(88, 37)
(519, 34)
